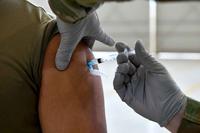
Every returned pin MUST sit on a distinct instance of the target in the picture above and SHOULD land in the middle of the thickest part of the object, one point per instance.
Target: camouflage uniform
(191, 120)
(74, 10)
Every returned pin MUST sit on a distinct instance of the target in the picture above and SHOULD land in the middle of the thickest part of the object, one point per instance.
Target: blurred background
(169, 30)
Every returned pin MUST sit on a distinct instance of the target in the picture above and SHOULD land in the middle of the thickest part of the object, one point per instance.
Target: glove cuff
(172, 110)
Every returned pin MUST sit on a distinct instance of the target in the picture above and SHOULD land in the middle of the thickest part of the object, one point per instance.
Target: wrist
(174, 124)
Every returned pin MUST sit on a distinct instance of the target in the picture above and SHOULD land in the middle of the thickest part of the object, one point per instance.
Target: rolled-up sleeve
(73, 10)
(191, 120)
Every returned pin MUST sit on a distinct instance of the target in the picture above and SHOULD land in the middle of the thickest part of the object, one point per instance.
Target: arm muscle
(71, 101)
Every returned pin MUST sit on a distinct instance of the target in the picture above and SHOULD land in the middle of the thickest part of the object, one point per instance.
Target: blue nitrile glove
(71, 34)
(146, 86)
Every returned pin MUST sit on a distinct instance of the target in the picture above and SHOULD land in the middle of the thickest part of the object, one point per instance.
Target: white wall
(178, 27)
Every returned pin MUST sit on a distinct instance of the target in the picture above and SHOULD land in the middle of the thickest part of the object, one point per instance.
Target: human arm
(191, 117)
(71, 100)
(146, 86)
(187, 120)
(174, 124)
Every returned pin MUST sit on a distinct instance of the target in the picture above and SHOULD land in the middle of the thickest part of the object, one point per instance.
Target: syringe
(112, 57)
(92, 64)
(108, 58)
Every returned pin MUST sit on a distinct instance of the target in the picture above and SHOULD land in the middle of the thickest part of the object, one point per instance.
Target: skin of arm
(71, 101)
(175, 123)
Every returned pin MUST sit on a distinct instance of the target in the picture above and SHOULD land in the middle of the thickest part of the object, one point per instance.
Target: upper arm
(71, 101)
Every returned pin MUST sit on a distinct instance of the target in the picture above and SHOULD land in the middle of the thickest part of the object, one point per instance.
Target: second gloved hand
(71, 35)
(147, 87)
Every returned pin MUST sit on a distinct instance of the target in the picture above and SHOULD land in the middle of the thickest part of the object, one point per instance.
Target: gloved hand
(71, 34)
(146, 86)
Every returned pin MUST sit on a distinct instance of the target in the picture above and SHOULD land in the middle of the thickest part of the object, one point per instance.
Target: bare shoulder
(79, 58)
(71, 100)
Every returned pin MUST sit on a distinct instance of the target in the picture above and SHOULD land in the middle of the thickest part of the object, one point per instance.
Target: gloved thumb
(101, 36)
(96, 32)
(144, 57)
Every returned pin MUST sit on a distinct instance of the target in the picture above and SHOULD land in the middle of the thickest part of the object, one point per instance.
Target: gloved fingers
(123, 68)
(126, 69)
(146, 59)
(127, 79)
(118, 81)
(132, 69)
(131, 89)
(122, 79)
(121, 76)
(133, 59)
(120, 47)
(71, 34)
(137, 88)
(95, 31)
(101, 36)
(143, 57)
(119, 84)
(121, 92)
(70, 27)
(124, 65)
(128, 96)
(122, 58)
(65, 50)
(124, 90)
(62, 25)
(89, 41)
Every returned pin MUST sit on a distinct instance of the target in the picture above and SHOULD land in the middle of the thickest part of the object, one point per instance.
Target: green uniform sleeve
(73, 10)
(191, 120)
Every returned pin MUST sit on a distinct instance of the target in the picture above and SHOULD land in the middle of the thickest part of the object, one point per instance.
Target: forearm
(175, 123)
(191, 118)
(187, 120)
